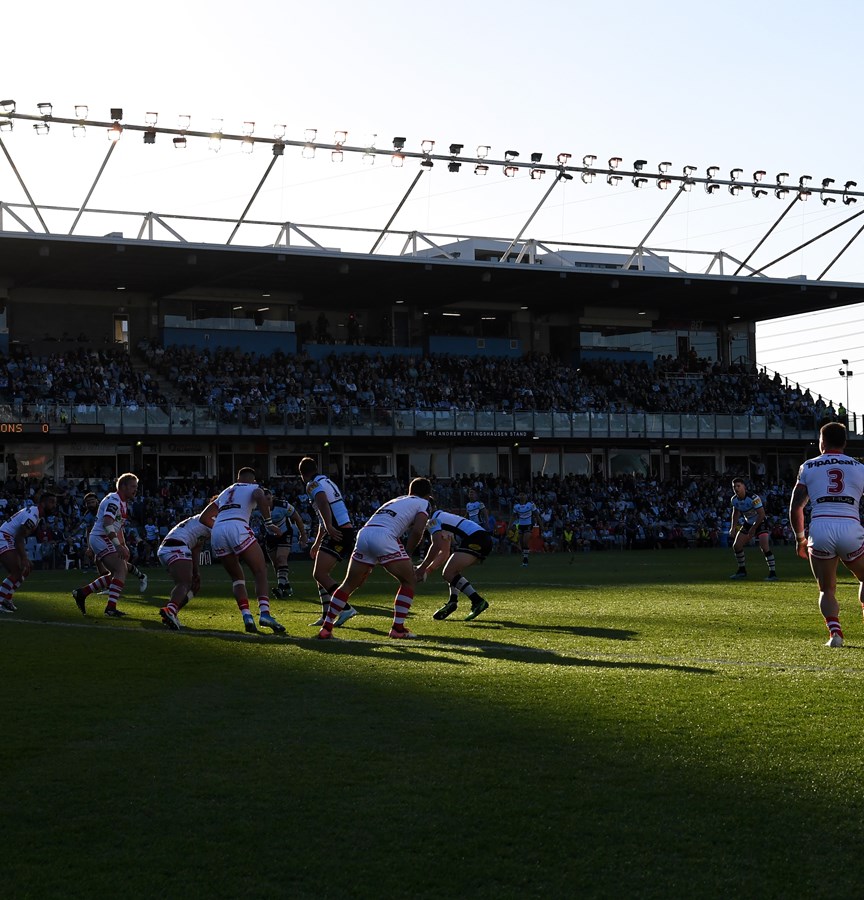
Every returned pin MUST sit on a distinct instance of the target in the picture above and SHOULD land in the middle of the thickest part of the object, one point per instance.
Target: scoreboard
(24, 428)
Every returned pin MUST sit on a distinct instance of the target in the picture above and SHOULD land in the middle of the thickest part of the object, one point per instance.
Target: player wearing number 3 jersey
(834, 483)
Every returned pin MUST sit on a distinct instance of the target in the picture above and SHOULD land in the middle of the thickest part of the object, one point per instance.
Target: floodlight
(640, 164)
(79, 131)
(483, 151)
(336, 156)
(45, 109)
(613, 180)
(279, 149)
(759, 192)
(639, 182)
(663, 183)
(279, 131)
(427, 146)
(184, 121)
(453, 166)
(536, 157)
(247, 128)
(735, 189)
(7, 107)
(589, 159)
(81, 112)
(151, 118)
(310, 134)
(215, 142)
(710, 188)
(759, 174)
(846, 199)
(712, 171)
(308, 151)
(247, 145)
(689, 170)
(399, 143)
(150, 136)
(41, 127)
(116, 113)
(781, 177)
(179, 142)
(735, 174)
(510, 171)
(340, 137)
(663, 167)
(398, 160)
(510, 155)
(537, 174)
(114, 132)
(804, 180)
(480, 169)
(368, 158)
(564, 158)
(456, 149)
(587, 177)
(427, 163)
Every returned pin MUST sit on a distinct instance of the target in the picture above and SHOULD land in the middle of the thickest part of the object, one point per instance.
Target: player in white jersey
(525, 515)
(284, 515)
(457, 543)
(108, 544)
(834, 483)
(749, 520)
(234, 543)
(335, 539)
(13, 546)
(91, 508)
(379, 544)
(476, 510)
(179, 552)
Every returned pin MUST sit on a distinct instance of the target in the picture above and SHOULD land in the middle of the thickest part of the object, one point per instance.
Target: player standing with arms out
(525, 518)
(178, 552)
(476, 510)
(109, 547)
(457, 543)
(833, 482)
(283, 514)
(335, 538)
(234, 543)
(379, 544)
(91, 510)
(13, 546)
(748, 519)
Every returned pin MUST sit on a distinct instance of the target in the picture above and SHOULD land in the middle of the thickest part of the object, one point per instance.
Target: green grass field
(632, 725)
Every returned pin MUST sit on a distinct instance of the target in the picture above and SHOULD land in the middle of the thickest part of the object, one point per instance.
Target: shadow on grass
(471, 647)
(610, 634)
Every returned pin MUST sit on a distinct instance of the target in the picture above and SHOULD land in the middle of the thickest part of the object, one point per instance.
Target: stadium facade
(465, 298)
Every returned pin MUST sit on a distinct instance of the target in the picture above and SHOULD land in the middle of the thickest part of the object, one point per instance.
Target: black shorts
(478, 544)
(341, 548)
(764, 528)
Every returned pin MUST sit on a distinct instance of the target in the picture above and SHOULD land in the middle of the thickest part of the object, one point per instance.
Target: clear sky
(764, 85)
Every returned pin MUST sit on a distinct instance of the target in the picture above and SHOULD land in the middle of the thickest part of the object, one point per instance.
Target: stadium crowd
(345, 388)
(627, 512)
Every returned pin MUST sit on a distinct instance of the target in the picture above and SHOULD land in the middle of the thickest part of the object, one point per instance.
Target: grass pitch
(633, 724)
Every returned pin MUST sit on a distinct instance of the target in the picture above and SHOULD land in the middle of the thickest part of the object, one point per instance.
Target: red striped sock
(98, 585)
(338, 602)
(833, 624)
(402, 604)
(115, 589)
(264, 606)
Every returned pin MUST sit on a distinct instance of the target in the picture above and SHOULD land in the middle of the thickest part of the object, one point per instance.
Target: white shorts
(832, 536)
(169, 555)
(376, 546)
(231, 536)
(101, 546)
(7, 542)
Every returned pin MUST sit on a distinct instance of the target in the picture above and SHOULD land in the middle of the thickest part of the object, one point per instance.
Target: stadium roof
(163, 268)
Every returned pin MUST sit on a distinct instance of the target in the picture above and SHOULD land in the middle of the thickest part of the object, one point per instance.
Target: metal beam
(560, 176)
(396, 211)
(33, 205)
(641, 244)
(93, 186)
(767, 235)
(252, 198)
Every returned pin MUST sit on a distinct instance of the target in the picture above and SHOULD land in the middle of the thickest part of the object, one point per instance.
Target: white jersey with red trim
(190, 531)
(398, 515)
(237, 502)
(835, 484)
(27, 517)
(111, 507)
